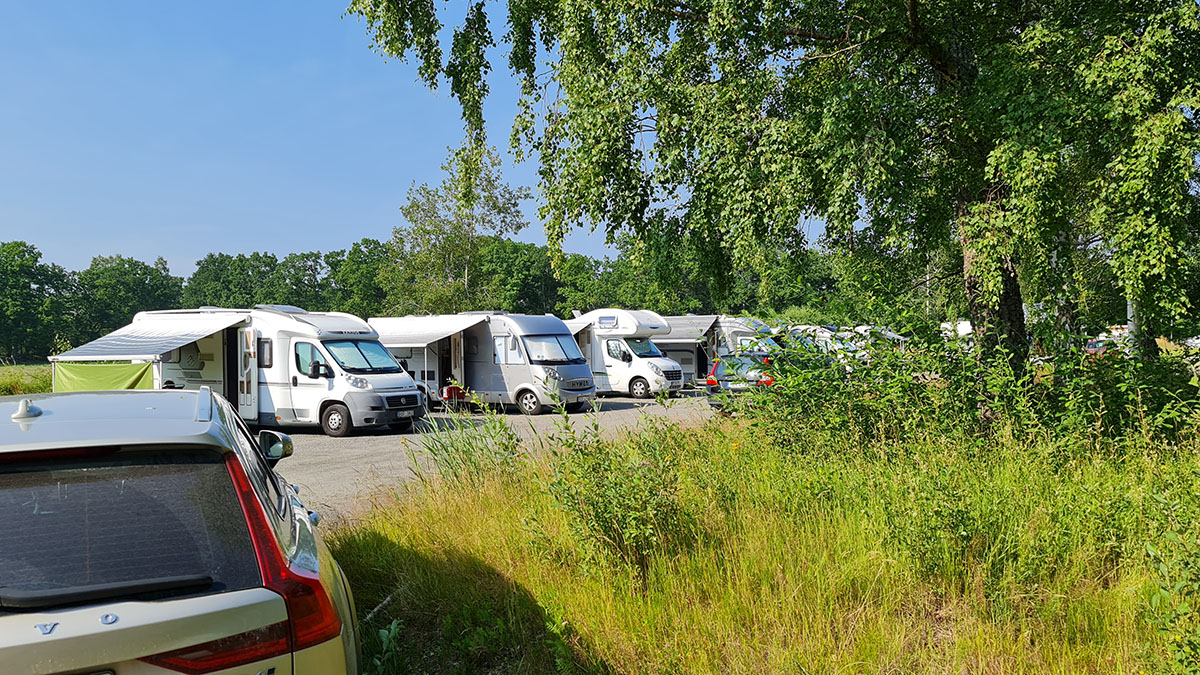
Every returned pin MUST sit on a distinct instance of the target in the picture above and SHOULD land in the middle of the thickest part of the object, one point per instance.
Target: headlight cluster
(656, 369)
(552, 376)
(358, 382)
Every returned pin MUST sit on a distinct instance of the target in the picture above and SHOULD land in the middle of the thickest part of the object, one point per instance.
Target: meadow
(782, 540)
(24, 379)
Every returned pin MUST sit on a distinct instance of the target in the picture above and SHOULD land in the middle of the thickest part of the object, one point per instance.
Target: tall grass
(24, 379)
(839, 554)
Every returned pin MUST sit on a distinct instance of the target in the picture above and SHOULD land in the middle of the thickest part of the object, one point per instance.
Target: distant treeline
(45, 308)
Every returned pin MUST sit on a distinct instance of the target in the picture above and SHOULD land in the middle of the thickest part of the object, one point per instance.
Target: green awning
(99, 376)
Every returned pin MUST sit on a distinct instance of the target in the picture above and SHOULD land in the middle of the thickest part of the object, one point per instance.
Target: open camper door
(456, 358)
(247, 374)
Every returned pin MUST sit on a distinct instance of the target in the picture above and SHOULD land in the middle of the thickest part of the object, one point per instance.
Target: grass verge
(934, 555)
(24, 379)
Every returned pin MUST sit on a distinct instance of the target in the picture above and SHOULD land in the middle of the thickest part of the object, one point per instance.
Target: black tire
(639, 388)
(335, 420)
(402, 427)
(575, 407)
(528, 402)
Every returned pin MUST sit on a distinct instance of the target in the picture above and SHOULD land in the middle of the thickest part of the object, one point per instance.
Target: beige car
(147, 532)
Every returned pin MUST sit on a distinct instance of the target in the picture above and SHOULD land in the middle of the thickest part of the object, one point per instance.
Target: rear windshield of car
(102, 525)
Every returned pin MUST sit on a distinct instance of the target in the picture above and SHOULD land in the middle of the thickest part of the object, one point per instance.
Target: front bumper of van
(577, 395)
(370, 409)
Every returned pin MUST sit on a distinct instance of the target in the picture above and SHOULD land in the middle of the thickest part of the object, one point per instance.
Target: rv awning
(690, 328)
(420, 331)
(576, 327)
(150, 337)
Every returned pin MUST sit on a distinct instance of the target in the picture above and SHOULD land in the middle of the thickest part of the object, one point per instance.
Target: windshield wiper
(15, 598)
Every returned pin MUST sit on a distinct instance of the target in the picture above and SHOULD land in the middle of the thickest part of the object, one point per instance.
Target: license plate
(404, 413)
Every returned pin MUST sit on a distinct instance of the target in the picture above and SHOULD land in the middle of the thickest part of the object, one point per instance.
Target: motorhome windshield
(361, 356)
(552, 350)
(643, 347)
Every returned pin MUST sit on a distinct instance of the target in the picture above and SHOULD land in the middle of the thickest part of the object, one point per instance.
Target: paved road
(338, 477)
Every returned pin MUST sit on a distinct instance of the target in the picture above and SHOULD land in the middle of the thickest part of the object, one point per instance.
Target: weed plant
(24, 379)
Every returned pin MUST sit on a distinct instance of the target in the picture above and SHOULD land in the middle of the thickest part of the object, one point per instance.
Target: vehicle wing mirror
(317, 369)
(274, 446)
(404, 364)
(627, 357)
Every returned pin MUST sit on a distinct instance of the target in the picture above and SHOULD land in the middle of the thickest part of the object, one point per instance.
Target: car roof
(88, 419)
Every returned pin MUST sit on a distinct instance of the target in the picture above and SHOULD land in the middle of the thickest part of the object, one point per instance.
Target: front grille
(673, 375)
(406, 401)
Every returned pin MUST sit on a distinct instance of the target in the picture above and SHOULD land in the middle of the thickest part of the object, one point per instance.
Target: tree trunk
(997, 324)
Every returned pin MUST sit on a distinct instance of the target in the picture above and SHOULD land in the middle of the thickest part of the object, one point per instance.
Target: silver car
(147, 532)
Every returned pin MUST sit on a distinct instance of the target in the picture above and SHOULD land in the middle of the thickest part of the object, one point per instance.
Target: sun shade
(419, 331)
(687, 328)
(151, 336)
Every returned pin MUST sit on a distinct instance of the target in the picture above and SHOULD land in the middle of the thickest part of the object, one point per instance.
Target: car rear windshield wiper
(15, 598)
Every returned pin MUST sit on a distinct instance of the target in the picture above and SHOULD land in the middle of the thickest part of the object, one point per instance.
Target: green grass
(24, 379)
(1014, 555)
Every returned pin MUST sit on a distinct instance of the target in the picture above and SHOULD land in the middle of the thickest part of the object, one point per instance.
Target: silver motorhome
(500, 358)
(696, 340)
(280, 365)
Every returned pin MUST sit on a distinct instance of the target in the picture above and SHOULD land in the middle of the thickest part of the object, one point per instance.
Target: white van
(281, 366)
(617, 344)
(501, 358)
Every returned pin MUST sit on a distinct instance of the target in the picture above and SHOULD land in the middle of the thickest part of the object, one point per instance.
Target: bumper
(368, 409)
(576, 395)
(663, 384)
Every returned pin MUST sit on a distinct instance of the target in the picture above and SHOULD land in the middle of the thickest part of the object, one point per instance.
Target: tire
(402, 427)
(575, 407)
(639, 388)
(528, 402)
(335, 420)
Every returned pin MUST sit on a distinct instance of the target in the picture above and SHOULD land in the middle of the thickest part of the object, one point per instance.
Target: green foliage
(25, 379)
(465, 450)
(112, 289)
(1175, 604)
(437, 258)
(622, 498)
(32, 301)
(1001, 141)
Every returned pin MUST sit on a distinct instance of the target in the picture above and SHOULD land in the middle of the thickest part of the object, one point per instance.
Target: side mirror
(274, 446)
(627, 357)
(317, 369)
(404, 365)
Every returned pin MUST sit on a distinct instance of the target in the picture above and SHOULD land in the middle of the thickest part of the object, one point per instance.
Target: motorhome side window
(264, 353)
(498, 353)
(514, 351)
(472, 345)
(306, 353)
(614, 349)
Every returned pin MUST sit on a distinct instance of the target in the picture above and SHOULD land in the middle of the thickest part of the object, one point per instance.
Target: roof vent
(26, 411)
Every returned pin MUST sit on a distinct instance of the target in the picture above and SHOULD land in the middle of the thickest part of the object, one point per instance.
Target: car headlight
(358, 382)
(656, 369)
(551, 376)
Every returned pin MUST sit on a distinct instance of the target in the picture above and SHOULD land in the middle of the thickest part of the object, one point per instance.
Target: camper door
(247, 375)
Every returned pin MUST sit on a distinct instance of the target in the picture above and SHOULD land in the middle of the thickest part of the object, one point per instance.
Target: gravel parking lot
(339, 477)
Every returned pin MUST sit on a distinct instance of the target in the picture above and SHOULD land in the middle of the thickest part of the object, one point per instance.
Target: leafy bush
(1175, 604)
(24, 379)
(622, 497)
(465, 449)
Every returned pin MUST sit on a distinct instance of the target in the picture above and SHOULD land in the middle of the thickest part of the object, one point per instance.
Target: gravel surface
(339, 477)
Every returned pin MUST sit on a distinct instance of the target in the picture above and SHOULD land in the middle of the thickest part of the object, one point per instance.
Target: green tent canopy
(100, 375)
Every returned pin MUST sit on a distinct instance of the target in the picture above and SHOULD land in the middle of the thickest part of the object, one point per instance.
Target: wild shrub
(622, 498)
(1175, 603)
(24, 379)
(465, 448)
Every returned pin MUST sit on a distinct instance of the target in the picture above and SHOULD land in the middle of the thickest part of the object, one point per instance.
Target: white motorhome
(623, 358)
(280, 365)
(501, 358)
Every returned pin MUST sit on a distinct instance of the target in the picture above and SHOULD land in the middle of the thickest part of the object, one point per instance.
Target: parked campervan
(696, 340)
(281, 366)
(500, 358)
(617, 344)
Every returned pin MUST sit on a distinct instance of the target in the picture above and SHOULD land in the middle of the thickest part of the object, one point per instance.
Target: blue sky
(176, 129)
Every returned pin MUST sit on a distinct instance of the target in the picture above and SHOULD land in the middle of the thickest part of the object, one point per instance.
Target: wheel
(335, 421)
(639, 388)
(528, 402)
(575, 407)
(403, 426)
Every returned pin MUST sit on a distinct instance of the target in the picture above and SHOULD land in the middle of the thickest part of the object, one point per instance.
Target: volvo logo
(46, 628)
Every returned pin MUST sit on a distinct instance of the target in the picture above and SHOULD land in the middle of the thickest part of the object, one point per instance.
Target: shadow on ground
(453, 613)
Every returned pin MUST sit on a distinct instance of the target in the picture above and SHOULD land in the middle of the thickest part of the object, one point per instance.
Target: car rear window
(113, 518)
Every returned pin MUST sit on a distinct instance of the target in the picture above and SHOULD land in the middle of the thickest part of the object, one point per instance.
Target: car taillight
(312, 618)
(236, 650)
(311, 614)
